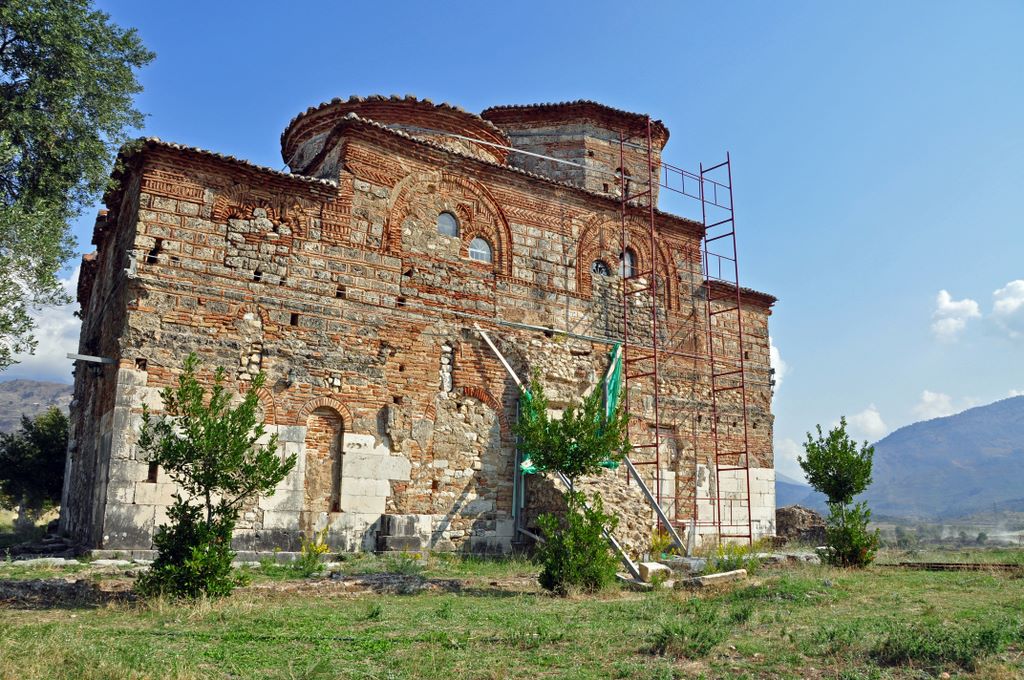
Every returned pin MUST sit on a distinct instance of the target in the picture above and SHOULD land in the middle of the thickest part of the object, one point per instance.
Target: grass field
(971, 555)
(804, 622)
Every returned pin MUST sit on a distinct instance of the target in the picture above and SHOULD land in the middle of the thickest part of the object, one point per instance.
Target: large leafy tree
(213, 449)
(32, 464)
(67, 78)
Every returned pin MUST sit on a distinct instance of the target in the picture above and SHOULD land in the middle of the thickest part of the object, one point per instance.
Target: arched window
(480, 249)
(627, 264)
(623, 179)
(447, 225)
(600, 267)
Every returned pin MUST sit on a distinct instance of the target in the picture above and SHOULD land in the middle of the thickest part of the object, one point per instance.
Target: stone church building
(359, 282)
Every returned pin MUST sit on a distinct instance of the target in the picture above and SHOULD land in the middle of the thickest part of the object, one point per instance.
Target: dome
(443, 124)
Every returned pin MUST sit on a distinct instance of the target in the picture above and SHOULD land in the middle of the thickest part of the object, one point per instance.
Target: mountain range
(30, 398)
(942, 468)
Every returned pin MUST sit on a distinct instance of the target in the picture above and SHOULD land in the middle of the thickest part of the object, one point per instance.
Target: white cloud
(868, 424)
(57, 334)
(951, 316)
(777, 362)
(934, 405)
(938, 404)
(1015, 393)
(1008, 308)
(786, 451)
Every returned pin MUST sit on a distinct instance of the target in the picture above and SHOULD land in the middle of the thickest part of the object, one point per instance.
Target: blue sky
(878, 153)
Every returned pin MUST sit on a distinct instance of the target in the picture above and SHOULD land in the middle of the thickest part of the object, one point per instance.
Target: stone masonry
(344, 282)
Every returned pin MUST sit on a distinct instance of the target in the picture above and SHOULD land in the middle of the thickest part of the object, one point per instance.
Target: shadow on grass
(59, 593)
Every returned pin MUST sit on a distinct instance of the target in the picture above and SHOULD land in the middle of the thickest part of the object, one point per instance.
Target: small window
(600, 267)
(480, 249)
(447, 225)
(627, 264)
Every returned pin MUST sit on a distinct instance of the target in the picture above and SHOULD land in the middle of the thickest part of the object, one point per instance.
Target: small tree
(32, 465)
(578, 443)
(836, 467)
(575, 554)
(212, 451)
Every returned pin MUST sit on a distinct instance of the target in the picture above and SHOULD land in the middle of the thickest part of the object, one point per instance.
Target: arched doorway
(324, 461)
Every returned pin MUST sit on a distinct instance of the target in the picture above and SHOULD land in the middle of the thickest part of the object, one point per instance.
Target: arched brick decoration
(268, 405)
(478, 212)
(324, 402)
(250, 308)
(239, 201)
(485, 397)
(602, 240)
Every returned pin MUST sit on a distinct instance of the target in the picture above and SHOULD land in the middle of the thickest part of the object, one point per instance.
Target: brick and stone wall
(341, 290)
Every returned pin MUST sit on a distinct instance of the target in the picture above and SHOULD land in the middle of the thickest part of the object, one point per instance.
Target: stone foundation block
(649, 571)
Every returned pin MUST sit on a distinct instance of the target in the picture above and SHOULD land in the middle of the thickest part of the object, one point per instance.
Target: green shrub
(194, 556)
(575, 554)
(405, 563)
(850, 542)
(694, 634)
(662, 543)
(311, 552)
(933, 646)
(732, 556)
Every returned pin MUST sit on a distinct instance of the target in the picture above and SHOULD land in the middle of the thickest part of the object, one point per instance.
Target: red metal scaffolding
(723, 358)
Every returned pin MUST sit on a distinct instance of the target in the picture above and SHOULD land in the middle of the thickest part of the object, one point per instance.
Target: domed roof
(442, 123)
(562, 112)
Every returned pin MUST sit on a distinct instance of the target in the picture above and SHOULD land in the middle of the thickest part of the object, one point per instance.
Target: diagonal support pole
(626, 561)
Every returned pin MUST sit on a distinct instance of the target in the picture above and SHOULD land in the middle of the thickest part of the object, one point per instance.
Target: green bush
(309, 561)
(732, 556)
(850, 542)
(406, 564)
(699, 630)
(575, 554)
(662, 544)
(933, 646)
(194, 556)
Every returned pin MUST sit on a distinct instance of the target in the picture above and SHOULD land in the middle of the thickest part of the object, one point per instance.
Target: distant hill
(968, 463)
(789, 491)
(952, 466)
(29, 397)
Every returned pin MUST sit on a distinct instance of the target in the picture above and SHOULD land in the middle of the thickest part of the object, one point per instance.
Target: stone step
(399, 544)
(714, 579)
